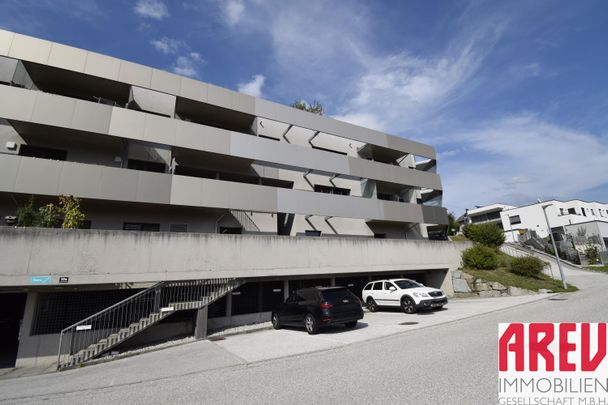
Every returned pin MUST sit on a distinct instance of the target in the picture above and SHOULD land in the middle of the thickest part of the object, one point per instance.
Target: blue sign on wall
(41, 279)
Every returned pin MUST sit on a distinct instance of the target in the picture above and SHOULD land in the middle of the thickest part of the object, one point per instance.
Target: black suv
(317, 307)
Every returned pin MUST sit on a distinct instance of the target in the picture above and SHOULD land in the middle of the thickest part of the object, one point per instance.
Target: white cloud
(253, 87)
(168, 45)
(405, 92)
(521, 158)
(362, 119)
(155, 9)
(332, 57)
(232, 11)
(188, 65)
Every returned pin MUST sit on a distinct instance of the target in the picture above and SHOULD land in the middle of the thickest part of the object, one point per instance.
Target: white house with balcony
(560, 214)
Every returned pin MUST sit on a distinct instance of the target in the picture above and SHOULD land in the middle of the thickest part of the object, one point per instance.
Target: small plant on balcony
(49, 215)
(26, 214)
(73, 216)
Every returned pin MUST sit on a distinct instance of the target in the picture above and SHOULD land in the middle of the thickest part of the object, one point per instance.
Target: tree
(453, 226)
(315, 107)
(73, 216)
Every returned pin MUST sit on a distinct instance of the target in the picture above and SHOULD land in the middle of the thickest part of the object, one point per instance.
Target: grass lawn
(506, 278)
(603, 268)
(459, 238)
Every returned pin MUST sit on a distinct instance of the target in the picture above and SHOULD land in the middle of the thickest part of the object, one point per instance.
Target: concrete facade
(167, 168)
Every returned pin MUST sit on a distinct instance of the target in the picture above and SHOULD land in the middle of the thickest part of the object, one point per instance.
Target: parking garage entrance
(11, 314)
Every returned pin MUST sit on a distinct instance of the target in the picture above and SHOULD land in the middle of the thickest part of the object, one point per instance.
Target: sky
(512, 94)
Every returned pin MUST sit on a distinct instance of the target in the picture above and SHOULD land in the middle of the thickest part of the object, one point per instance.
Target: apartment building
(204, 207)
(560, 214)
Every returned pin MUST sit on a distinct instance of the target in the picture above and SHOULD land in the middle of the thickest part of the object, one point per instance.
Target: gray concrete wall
(77, 60)
(47, 177)
(91, 256)
(60, 111)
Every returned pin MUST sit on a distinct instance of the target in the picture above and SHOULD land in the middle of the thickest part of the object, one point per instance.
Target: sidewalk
(269, 344)
(247, 348)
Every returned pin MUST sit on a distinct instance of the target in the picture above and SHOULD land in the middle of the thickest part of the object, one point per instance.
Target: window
(331, 190)
(377, 286)
(403, 284)
(561, 211)
(42, 152)
(368, 287)
(140, 226)
(387, 285)
(571, 211)
(584, 213)
(515, 220)
(592, 213)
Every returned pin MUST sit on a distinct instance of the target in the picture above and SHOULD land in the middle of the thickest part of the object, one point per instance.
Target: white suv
(408, 294)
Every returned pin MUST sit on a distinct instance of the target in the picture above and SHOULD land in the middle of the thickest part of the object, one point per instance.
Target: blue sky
(514, 95)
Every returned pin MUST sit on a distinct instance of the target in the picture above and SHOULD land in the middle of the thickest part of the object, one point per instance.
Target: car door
(290, 309)
(376, 292)
(390, 294)
(306, 299)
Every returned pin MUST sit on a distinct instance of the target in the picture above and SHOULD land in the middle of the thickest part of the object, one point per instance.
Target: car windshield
(338, 294)
(404, 284)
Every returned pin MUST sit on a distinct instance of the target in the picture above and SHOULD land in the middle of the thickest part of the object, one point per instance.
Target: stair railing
(162, 299)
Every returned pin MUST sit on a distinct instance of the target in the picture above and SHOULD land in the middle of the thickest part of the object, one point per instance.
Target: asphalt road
(452, 363)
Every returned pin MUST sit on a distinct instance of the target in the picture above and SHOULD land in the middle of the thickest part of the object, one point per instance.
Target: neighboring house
(484, 215)
(560, 214)
(529, 219)
(183, 182)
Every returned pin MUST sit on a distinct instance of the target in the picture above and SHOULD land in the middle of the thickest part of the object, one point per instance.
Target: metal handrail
(129, 298)
(107, 328)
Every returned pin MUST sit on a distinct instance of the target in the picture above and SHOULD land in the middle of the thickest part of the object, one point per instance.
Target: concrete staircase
(76, 336)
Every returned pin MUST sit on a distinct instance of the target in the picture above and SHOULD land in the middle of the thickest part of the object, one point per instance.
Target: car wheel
(311, 325)
(276, 322)
(371, 304)
(351, 324)
(408, 305)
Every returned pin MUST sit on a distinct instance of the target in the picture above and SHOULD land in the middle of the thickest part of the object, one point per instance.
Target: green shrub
(593, 254)
(527, 266)
(49, 215)
(73, 216)
(26, 214)
(486, 234)
(480, 257)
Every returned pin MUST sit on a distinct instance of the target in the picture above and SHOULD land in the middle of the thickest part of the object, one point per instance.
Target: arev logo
(533, 341)
(541, 363)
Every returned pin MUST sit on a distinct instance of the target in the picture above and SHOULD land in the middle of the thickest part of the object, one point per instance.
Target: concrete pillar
(285, 289)
(229, 304)
(200, 329)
